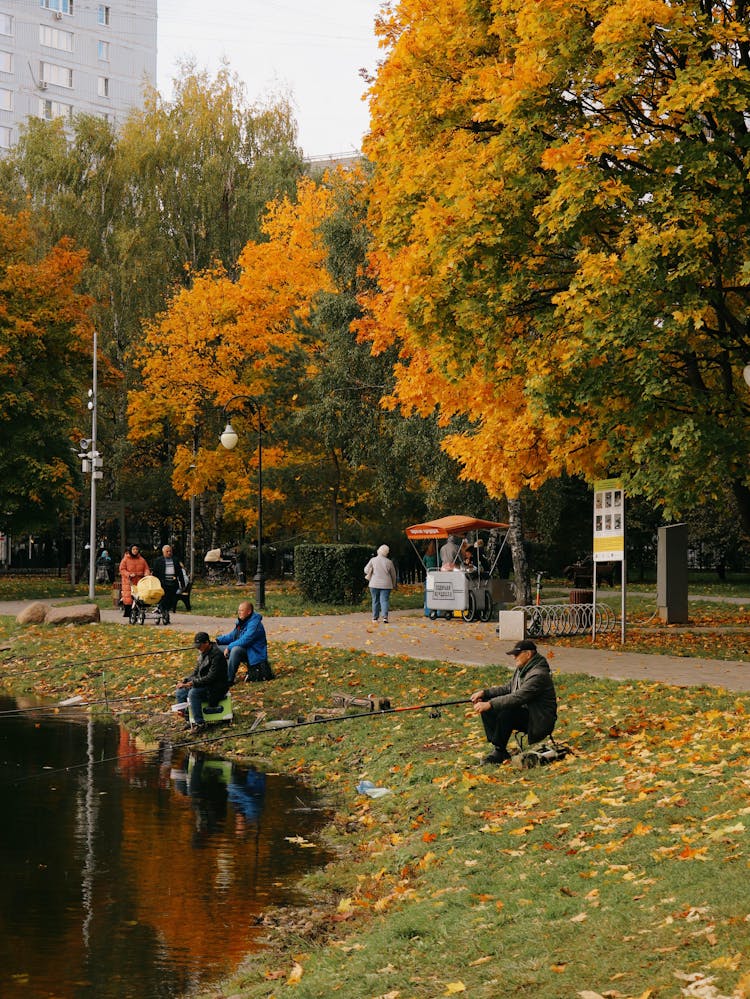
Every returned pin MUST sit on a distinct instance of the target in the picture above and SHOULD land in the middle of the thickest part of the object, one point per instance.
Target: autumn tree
(560, 212)
(45, 356)
(223, 337)
(180, 189)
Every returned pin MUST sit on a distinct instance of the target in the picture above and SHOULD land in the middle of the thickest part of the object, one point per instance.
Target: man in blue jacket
(246, 643)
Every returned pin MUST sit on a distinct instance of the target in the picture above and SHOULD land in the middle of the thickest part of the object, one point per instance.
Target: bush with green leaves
(332, 574)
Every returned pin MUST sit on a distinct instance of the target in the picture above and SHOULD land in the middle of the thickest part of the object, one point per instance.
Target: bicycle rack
(567, 619)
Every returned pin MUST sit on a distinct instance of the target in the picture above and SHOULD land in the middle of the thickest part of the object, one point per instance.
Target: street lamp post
(92, 462)
(229, 440)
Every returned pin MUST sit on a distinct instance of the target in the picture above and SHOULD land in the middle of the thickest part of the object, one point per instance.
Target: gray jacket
(531, 687)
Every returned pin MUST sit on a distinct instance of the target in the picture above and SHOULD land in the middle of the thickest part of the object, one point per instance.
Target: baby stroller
(218, 570)
(146, 597)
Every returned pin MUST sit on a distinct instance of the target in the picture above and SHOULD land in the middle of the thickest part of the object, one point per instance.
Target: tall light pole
(229, 440)
(92, 462)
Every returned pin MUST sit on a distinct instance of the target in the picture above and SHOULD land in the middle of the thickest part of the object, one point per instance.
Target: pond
(130, 874)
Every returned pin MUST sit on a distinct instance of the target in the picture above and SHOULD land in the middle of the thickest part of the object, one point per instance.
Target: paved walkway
(410, 633)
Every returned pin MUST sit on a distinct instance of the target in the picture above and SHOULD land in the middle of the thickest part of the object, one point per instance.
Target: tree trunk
(521, 578)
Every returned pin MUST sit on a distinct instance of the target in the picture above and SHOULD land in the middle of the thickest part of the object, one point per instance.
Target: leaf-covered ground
(619, 871)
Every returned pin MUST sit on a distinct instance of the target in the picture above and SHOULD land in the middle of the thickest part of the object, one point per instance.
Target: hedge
(332, 574)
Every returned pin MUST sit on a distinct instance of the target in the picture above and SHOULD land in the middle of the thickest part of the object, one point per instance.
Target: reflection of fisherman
(247, 794)
(208, 796)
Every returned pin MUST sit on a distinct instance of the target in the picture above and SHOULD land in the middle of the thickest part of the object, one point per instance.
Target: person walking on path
(168, 570)
(246, 643)
(133, 568)
(380, 574)
(207, 682)
(527, 704)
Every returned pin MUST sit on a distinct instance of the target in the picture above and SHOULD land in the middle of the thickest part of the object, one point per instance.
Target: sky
(310, 50)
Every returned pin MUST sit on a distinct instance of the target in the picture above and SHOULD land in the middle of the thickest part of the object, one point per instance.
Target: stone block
(35, 613)
(77, 614)
(512, 625)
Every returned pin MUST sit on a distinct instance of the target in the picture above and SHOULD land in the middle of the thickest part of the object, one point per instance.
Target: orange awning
(456, 524)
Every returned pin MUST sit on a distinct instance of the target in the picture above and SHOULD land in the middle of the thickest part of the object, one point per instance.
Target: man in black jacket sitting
(208, 681)
(527, 704)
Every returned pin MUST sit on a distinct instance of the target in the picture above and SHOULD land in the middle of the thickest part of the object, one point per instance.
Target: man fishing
(208, 681)
(527, 704)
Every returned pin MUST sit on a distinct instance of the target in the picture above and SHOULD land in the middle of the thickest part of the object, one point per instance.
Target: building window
(5, 137)
(6, 99)
(61, 6)
(6, 24)
(103, 51)
(102, 85)
(60, 76)
(54, 109)
(56, 38)
(102, 15)
(6, 62)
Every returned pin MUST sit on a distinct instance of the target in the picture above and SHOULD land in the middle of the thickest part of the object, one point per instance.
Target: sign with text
(609, 521)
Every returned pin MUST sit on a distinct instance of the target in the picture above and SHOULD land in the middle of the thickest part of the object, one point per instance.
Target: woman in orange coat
(132, 570)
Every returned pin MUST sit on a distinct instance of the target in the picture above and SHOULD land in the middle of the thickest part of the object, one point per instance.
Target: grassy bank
(620, 871)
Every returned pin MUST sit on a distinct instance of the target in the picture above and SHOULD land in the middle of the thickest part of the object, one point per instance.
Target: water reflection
(131, 875)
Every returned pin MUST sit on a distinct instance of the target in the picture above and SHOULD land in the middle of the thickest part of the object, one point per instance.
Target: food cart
(456, 585)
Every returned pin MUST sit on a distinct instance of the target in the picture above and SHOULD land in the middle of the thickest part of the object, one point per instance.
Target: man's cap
(523, 646)
(200, 638)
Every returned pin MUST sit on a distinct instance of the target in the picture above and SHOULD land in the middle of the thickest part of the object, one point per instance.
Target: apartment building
(59, 58)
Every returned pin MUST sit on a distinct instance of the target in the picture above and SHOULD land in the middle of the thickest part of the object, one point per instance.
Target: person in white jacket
(380, 574)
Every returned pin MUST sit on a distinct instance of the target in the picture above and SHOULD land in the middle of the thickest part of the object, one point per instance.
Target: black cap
(200, 638)
(523, 646)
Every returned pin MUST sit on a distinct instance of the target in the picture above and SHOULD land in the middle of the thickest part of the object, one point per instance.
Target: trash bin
(581, 597)
(116, 592)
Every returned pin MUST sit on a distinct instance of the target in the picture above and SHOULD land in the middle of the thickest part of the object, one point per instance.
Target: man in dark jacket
(527, 704)
(246, 643)
(170, 573)
(207, 682)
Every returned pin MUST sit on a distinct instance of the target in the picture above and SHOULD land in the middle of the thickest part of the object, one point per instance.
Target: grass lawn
(619, 871)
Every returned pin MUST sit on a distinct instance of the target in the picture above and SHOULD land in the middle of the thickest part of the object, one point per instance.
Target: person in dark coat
(208, 681)
(527, 704)
(168, 570)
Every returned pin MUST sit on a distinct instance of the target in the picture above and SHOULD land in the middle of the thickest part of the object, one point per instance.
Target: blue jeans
(380, 601)
(192, 696)
(236, 656)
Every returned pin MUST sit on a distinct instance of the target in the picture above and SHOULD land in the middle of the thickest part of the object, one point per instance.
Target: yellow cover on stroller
(149, 590)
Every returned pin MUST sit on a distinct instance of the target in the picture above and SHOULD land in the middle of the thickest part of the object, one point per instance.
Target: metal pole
(73, 575)
(94, 456)
(192, 536)
(260, 577)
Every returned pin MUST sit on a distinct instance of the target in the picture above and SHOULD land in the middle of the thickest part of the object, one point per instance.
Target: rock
(35, 613)
(78, 614)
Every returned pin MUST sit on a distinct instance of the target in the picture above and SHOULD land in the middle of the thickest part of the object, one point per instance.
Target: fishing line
(89, 662)
(251, 732)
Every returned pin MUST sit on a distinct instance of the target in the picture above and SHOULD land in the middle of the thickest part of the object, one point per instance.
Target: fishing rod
(103, 659)
(288, 725)
(255, 729)
(76, 702)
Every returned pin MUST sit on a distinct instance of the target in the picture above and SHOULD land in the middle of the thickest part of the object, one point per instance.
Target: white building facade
(59, 58)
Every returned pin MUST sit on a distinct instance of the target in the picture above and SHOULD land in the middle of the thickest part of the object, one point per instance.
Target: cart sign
(609, 521)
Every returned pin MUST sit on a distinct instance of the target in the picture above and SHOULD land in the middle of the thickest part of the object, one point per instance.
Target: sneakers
(374, 620)
(385, 620)
(497, 757)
